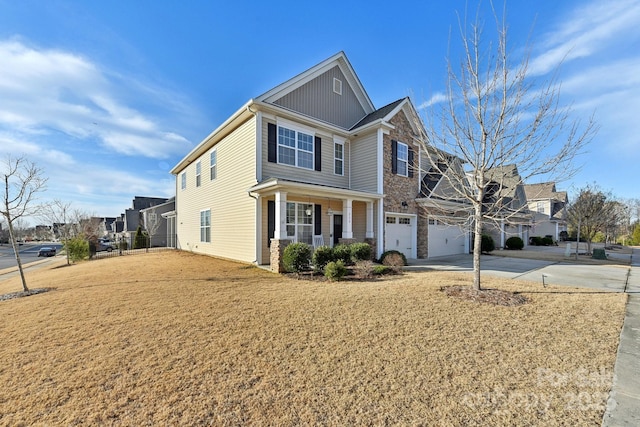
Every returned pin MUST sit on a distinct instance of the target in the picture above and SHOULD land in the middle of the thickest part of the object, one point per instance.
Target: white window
(337, 86)
(295, 148)
(183, 180)
(338, 158)
(402, 161)
(198, 171)
(300, 222)
(540, 207)
(205, 226)
(391, 220)
(214, 165)
(404, 221)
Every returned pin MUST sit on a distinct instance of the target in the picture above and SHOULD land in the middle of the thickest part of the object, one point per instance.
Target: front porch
(317, 215)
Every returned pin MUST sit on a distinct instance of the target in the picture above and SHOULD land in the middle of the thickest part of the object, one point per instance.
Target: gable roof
(340, 60)
(544, 190)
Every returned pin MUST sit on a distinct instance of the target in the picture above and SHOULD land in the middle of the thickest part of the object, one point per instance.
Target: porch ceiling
(273, 185)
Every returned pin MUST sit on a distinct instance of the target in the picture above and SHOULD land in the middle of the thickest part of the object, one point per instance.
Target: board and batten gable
(364, 163)
(321, 99)
(325, 176)
(233, 211)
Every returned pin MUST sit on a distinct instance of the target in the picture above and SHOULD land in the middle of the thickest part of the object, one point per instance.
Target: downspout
(258, 176)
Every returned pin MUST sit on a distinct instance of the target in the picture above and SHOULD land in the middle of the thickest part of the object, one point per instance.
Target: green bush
(322, 256)
(487, 244)
(393, 258)
(335, 270)
(381, 269)
(77, 249)
(547, 241)
(514, 242)
(360, 252)
(141, 239)
(342, 252)
(296, 257)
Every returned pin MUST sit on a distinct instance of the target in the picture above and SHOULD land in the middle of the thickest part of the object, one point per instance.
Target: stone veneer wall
(276, 250)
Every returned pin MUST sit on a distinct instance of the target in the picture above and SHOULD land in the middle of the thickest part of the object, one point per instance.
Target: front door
(337, 229)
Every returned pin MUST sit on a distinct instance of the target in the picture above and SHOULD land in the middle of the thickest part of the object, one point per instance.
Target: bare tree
(592, 211)
(22, 181)
(151, 220)
(59, 214)
(496, 115)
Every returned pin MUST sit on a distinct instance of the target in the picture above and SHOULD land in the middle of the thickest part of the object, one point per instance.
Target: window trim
(400, 160)
(297, 129)
(295, 224)
(198, 173)
(337, 143)
(183, 180)
(213, 166)
(206, 228)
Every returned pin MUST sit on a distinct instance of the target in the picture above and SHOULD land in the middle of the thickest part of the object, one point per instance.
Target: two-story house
(312, 160)
(548, 208)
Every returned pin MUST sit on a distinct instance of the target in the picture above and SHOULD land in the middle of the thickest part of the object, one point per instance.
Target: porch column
(520, 231)
(369, 234)
(502, 233)
(280, 232)
(347, 219)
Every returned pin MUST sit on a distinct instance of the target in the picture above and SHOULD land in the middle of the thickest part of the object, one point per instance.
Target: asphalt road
(28, 253)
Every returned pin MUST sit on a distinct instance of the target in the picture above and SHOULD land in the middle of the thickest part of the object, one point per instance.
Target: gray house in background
(155, 222)
(129, 221)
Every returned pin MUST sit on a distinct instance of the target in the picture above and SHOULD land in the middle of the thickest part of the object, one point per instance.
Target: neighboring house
(548, 208)
(155, 223)
(129, 221)
(505, 206)
(312, 160)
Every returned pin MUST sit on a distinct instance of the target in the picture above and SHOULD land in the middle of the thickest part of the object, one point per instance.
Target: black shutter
(271, 220)
(318, 154)
(410, 163)
(394, 156)
(317, 225)
(272, 141)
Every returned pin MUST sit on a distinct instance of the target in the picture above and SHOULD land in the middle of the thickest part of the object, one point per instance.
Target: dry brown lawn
(174, 338)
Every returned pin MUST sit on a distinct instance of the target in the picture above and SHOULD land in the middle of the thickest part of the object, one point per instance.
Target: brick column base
(276, 251)
(346, 241)
(372, 242)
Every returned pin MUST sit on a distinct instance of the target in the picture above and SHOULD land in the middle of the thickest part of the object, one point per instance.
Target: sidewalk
(623, 406)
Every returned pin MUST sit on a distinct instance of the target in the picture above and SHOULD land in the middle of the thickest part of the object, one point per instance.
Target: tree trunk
(14, 243)
(477, 246)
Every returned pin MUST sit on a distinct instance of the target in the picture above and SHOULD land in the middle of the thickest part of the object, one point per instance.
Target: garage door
(445, 238)
(398, 235)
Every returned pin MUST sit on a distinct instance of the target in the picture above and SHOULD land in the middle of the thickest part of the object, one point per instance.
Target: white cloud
(46, 91)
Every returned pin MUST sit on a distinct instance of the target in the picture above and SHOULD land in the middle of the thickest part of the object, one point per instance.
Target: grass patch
(193, 340)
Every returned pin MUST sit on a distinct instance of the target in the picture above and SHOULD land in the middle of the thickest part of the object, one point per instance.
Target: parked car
(104, 245)
(47, 251)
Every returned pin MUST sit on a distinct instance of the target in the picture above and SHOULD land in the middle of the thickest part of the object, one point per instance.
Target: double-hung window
(338, 158)
(402, 161)
(295, 148)
(198, 173)
(183, 180)
(300, 222)
(214, 165)
(205, 226)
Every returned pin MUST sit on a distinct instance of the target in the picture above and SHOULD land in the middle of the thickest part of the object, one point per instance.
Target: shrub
(141, 239)
(547, 241)
(381, 269)
(296, 257)
(335, 270)
(564, 236)
(360, 252)
(487, 244)
(393, 258)
(342, 252)
(322, 256)
(364, 268)
(535, 241)
(77, 249)
(514, 242)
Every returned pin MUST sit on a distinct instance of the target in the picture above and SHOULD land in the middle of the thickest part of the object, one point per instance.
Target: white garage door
(445, 238)
(398, 235)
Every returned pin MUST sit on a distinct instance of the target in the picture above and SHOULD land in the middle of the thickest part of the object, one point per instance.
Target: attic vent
(337, 86)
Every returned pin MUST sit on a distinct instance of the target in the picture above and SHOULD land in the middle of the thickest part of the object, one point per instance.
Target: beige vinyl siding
(359, 211)
(324, 177)
(364, 166)
(233, 211)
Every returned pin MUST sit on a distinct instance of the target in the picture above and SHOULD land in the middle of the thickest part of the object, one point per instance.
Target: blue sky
(106, 97)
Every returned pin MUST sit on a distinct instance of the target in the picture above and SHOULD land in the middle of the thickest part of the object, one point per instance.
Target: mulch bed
(487, 296)
(21, 294)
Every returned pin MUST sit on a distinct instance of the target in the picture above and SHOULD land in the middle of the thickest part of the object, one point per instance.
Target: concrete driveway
(602, 277)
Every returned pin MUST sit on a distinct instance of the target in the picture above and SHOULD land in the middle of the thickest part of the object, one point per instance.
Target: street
(28, 253)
